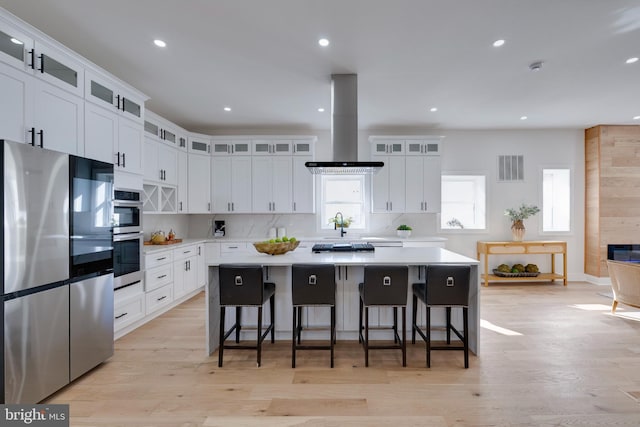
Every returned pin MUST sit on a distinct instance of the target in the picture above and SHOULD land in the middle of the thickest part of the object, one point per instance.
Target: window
(556, 200)
(463, 202)
(345, 194)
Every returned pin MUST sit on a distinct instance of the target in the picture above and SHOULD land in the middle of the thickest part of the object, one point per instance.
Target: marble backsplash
(258, 225)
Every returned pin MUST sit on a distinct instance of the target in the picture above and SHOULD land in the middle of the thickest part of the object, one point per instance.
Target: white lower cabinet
(159, 298)
(129, 306)
(185, 267)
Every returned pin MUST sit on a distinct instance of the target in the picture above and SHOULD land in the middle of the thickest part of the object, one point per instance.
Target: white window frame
(484, 230)
(541, 230)
(323, 223)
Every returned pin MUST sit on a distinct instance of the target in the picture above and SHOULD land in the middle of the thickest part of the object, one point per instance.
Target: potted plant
(517, 216)
(403, 231)
(346, 222)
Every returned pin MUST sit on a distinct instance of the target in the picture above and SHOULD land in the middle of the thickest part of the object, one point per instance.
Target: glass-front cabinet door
(15, 47)
(59, 69)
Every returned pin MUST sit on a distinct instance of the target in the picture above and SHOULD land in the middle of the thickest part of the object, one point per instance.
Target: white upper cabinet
(423, 184)
(199, 176)
(57, 68)
(15, 46)
(387, 147)
(303, 147)
(388, 185)
(303, 191)
(271, 147)
(183, 181)
(272, 184)
(128, 152)
(160, 129)
(231, 184)
(199, 144)
(423, 147)
(241, 147)
(160, 162)
(16, 104)
(108, 94)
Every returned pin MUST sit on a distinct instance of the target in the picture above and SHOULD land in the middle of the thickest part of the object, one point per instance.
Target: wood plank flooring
(560, 360)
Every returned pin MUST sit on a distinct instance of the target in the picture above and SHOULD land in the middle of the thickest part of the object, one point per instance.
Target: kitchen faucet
(335, 224)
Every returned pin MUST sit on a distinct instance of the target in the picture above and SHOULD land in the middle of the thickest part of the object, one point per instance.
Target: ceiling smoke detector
(536, 66)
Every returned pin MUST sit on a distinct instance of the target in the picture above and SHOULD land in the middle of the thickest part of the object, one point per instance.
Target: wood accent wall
(612, 192)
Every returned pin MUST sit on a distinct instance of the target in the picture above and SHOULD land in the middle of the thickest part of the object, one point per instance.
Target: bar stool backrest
(241, 284)
(385, 285)
(313, 284)
(448, 285)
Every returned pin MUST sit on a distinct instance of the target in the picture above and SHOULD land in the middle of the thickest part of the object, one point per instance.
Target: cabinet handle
(425, 206)
(274, 206)
(228, 207)
(41, 69)
(199, 252)
(232, 247)
(209, 206)
(163, 276)
(294, 206)
(233, 208)
(186, 252)
(161, 298)
(186, 266)
(122, 315)
(421, 206)
(160, 259)
(32, 54)
(33, 136)
(123, 165)
(41, 133)
(118, 101)
(180, 206)
(118, 154)
(160, 174)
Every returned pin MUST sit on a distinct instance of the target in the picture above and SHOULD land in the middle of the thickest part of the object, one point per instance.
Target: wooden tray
(166, 242)
(502, 274)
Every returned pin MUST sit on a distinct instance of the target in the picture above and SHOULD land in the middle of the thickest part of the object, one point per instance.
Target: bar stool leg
(414, 309)
(299, 324)
(366, 336)
(395, 325)
(293, 338)
(333, 331)
(427, 333)
(221, 339)
(448, 325)
(272, 307)
(259, 343)
(404, 336)
(360, 327)
(465, 316)
(238, 321)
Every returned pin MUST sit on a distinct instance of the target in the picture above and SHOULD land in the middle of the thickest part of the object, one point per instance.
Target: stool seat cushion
(313, 284)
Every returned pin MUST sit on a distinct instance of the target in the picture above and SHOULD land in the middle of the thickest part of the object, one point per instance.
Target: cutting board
(166, 242)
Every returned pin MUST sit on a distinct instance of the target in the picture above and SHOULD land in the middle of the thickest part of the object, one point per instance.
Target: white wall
(463, 151)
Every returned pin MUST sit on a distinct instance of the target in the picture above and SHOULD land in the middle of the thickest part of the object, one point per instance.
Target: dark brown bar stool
(312, 285)
(384, 286)
(243, 285)
(447, 285)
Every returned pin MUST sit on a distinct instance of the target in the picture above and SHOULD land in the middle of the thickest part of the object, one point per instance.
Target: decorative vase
(403, 233)
(517, 230)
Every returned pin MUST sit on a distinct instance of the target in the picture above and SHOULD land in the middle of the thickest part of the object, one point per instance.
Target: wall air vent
(510, 168)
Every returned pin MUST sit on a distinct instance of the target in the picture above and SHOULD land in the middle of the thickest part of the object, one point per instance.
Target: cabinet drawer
(159, 276)
(232, 247)
(128, 292)
(159, 298)
(185, 252)
(546, 249)
(506, 249)
(158, 258)
(127, 311)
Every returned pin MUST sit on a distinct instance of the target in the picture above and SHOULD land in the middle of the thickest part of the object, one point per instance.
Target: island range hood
(344, 131)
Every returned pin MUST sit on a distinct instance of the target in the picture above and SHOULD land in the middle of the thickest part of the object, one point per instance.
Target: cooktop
(342, 247)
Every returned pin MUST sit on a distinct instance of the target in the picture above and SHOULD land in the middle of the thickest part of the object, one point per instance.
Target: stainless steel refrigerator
(35, 272)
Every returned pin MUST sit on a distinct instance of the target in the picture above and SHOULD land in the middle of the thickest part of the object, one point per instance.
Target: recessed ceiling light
(636, 117)
(15, 40)
(323, 42)
(632, 60)
(159, 43)
(498, 43)
(227, 108)
(433, 109)
(321, 110)
(523, 117)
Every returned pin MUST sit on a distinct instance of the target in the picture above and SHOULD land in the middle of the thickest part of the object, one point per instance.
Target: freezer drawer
(36, 345)
(91, 328)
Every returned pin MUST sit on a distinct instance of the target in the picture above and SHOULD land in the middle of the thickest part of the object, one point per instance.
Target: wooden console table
(524, 248)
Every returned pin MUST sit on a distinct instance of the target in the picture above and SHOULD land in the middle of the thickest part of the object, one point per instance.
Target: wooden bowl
(276, 248)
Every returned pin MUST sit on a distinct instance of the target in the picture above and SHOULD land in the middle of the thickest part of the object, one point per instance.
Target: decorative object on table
(277, 246)
(517, 216)
(158, 237)
(403, 231)
(171, 235)
(517, 270)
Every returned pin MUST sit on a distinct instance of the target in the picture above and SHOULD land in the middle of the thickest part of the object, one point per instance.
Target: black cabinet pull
(122, 315)
(33, 136)
(161, 298)
(123, 165)
(160, 277)
(41, 63)
(118, 158)
(118, 100)
(41, 133)
(123, 98)
(160, 259)
(32, 53)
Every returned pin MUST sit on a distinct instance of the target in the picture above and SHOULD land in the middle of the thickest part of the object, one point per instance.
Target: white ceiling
(261, 57)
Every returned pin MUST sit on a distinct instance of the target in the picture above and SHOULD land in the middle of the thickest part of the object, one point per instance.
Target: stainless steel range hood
(344, 131)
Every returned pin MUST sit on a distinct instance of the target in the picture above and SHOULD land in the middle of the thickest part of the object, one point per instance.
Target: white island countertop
(398, 256)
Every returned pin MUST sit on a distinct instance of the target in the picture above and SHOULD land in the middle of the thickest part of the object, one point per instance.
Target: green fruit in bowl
(285, 239)
(278, 240)
(292, 239)
(272, 241)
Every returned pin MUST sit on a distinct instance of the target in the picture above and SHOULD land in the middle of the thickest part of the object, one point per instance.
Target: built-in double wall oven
(127, 237)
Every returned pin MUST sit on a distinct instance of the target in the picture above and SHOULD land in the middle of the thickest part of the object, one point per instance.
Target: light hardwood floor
(570, 364)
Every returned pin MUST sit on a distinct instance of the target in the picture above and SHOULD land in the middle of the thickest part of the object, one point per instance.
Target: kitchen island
(349, 272)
